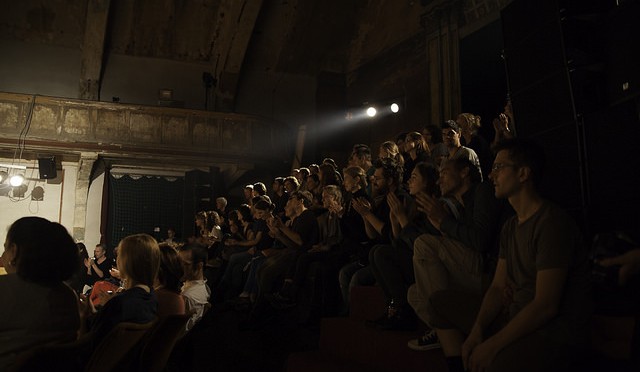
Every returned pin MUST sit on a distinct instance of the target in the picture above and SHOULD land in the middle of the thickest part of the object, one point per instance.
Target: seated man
(454, 260)
(298, 238)
(195, 290)
(97, 267)
(536, 310)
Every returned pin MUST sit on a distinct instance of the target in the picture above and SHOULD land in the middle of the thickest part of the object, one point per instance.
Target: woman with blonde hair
(469, 125)
(138, 262)
(389, 149)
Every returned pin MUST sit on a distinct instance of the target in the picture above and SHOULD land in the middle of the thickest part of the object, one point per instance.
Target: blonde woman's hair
(392, 149)
(334, 191)
(421, 144)
(139, 259)
(472, 120)
(356, 171)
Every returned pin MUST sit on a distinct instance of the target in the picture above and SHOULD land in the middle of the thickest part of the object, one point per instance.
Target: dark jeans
(393, 269)
(352, 275)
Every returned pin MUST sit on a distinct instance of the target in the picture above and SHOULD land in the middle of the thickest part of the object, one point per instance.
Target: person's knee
(383, 253)
(426, 247)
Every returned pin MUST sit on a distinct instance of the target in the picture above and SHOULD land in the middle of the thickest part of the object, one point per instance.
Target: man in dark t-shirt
(533, 316)
(98, 267)
(296, 238)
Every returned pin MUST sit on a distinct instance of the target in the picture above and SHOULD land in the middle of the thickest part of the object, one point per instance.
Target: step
(318, 361)
(367, 303)
(351, 339)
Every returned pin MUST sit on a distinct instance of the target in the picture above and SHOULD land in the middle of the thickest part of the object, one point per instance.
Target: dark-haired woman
(417, 152)
(169, 282)
(432, 135)
(392, 264)
(37, 307)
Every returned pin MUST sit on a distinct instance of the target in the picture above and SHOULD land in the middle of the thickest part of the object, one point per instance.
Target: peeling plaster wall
(58, 204)
(137, 80)
(281, 97)
(39, 69)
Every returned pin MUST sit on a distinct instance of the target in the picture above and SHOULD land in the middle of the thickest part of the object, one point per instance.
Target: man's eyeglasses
(498, 166)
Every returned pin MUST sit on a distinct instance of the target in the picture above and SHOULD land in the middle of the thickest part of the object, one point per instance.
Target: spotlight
(16, 180)
(3, 176)
(371, 112)
(395, 108)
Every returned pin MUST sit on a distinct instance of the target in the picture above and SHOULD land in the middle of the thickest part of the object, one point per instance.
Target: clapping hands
(432, 207)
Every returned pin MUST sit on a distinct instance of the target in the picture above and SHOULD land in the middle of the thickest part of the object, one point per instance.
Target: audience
(392, 263)
(534, 316)
(451, 134)
(356, 242)
(195, 290)
(221, 208)
(329, 238)
(279, 196)
(428, 249)
(37, 307)
(469, 125)
(386, 180)
(168, 283)
(138, 263)
(437, 150)
(455, 259)
(78, 280)
(291, 184)
(97, 267)
(417, 152)
(389, 149)
(294, 238)
(259, 189)
(261, 248)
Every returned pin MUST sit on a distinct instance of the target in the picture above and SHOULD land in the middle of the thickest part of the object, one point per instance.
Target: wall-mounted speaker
(47, 167)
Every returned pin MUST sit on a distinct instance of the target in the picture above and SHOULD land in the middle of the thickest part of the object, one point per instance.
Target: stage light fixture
(16, 180)
(371, 111)
(394, 107)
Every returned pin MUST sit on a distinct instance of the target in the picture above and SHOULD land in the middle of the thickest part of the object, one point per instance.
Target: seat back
(115, 346)
(54, 356)
(159, 343)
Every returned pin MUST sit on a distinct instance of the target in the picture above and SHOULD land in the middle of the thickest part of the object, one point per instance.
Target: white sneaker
(427, 342)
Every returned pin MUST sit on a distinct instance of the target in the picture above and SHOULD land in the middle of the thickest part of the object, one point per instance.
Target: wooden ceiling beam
(234, 27)
(93, 49)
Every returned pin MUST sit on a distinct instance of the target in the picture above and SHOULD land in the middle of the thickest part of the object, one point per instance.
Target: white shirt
(196, 295)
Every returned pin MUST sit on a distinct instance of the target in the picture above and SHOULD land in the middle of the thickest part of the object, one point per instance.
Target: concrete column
(85, 165)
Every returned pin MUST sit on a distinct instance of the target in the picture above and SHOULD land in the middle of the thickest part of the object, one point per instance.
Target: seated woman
(37, 307)
(169, 282)
(138, 262)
